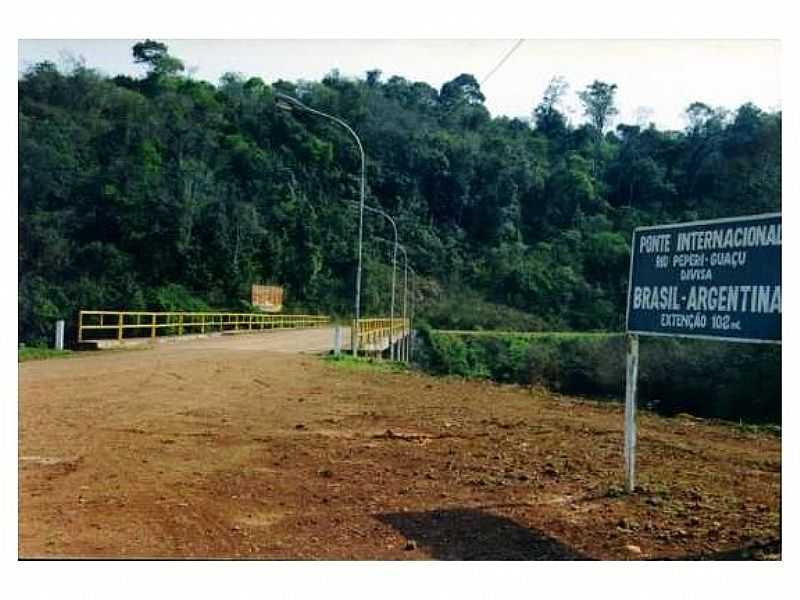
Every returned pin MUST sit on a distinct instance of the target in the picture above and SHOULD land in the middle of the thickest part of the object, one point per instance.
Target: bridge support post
(59, 342)
(337, 341)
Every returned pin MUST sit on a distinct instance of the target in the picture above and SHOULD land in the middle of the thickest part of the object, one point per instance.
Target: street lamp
(394, 273)
(413, 311)
(405, 282)
(286, 102)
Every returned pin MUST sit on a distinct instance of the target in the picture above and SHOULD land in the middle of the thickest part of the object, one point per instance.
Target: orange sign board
(268, 298)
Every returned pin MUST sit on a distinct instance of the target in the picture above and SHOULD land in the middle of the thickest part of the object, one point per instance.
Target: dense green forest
(165, 192)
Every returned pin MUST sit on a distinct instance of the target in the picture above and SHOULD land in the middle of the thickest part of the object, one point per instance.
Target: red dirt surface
(197, 450)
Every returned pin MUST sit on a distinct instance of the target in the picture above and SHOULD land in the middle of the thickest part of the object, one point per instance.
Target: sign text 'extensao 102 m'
(716, 279)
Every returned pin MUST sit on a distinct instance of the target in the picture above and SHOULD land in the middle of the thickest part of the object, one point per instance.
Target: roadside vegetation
(350, 363)
(736, 382)
(26, 353)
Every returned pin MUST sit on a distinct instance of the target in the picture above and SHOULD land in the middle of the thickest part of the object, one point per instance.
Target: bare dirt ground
(313, 340)
(219, 448)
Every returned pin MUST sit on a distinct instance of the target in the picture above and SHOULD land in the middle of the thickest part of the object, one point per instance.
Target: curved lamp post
(394, 271)
(287, 102)
(413, 311)
(405, 283)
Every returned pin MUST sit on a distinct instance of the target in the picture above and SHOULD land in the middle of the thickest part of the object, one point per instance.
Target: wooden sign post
(631, 378)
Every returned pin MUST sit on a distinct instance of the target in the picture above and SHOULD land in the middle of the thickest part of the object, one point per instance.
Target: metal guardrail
(151, 324)
(372, 331)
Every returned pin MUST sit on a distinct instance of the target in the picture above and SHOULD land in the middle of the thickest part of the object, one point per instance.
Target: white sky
(665, 76)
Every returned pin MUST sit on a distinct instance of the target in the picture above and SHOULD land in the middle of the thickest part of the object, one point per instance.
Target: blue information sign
(716, 279)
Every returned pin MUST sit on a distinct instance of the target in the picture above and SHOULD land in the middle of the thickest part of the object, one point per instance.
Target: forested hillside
(165, 192)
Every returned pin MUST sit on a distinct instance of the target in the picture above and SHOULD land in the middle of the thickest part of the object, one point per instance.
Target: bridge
(103, 329)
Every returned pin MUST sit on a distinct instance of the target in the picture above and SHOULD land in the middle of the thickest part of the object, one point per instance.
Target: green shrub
(175, 298)
(703, 378)
(467, 310)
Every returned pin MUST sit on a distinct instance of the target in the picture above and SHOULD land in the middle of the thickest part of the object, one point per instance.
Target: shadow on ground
(464, 534)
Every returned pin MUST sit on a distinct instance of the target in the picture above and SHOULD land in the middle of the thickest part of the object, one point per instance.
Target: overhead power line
(502, 60)
(492, 72)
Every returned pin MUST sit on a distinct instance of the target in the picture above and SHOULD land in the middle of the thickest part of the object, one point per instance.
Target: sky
(656, 80)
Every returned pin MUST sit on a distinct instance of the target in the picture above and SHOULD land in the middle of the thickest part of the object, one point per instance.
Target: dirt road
(198, 450)
(307, 341)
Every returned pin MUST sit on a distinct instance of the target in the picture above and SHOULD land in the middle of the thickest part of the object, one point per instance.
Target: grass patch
(34, 353)
(768, 429)
(351, 363)
(26, 354)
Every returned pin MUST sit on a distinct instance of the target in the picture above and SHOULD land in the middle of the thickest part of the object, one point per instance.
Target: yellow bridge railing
(374, 331)
(108, 324)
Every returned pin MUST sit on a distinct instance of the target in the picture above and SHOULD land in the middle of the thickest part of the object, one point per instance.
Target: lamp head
(286, 102)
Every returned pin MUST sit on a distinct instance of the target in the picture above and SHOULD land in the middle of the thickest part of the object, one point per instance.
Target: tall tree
(598, 103)
(464, 89)
(156, 56)
(547, 115)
